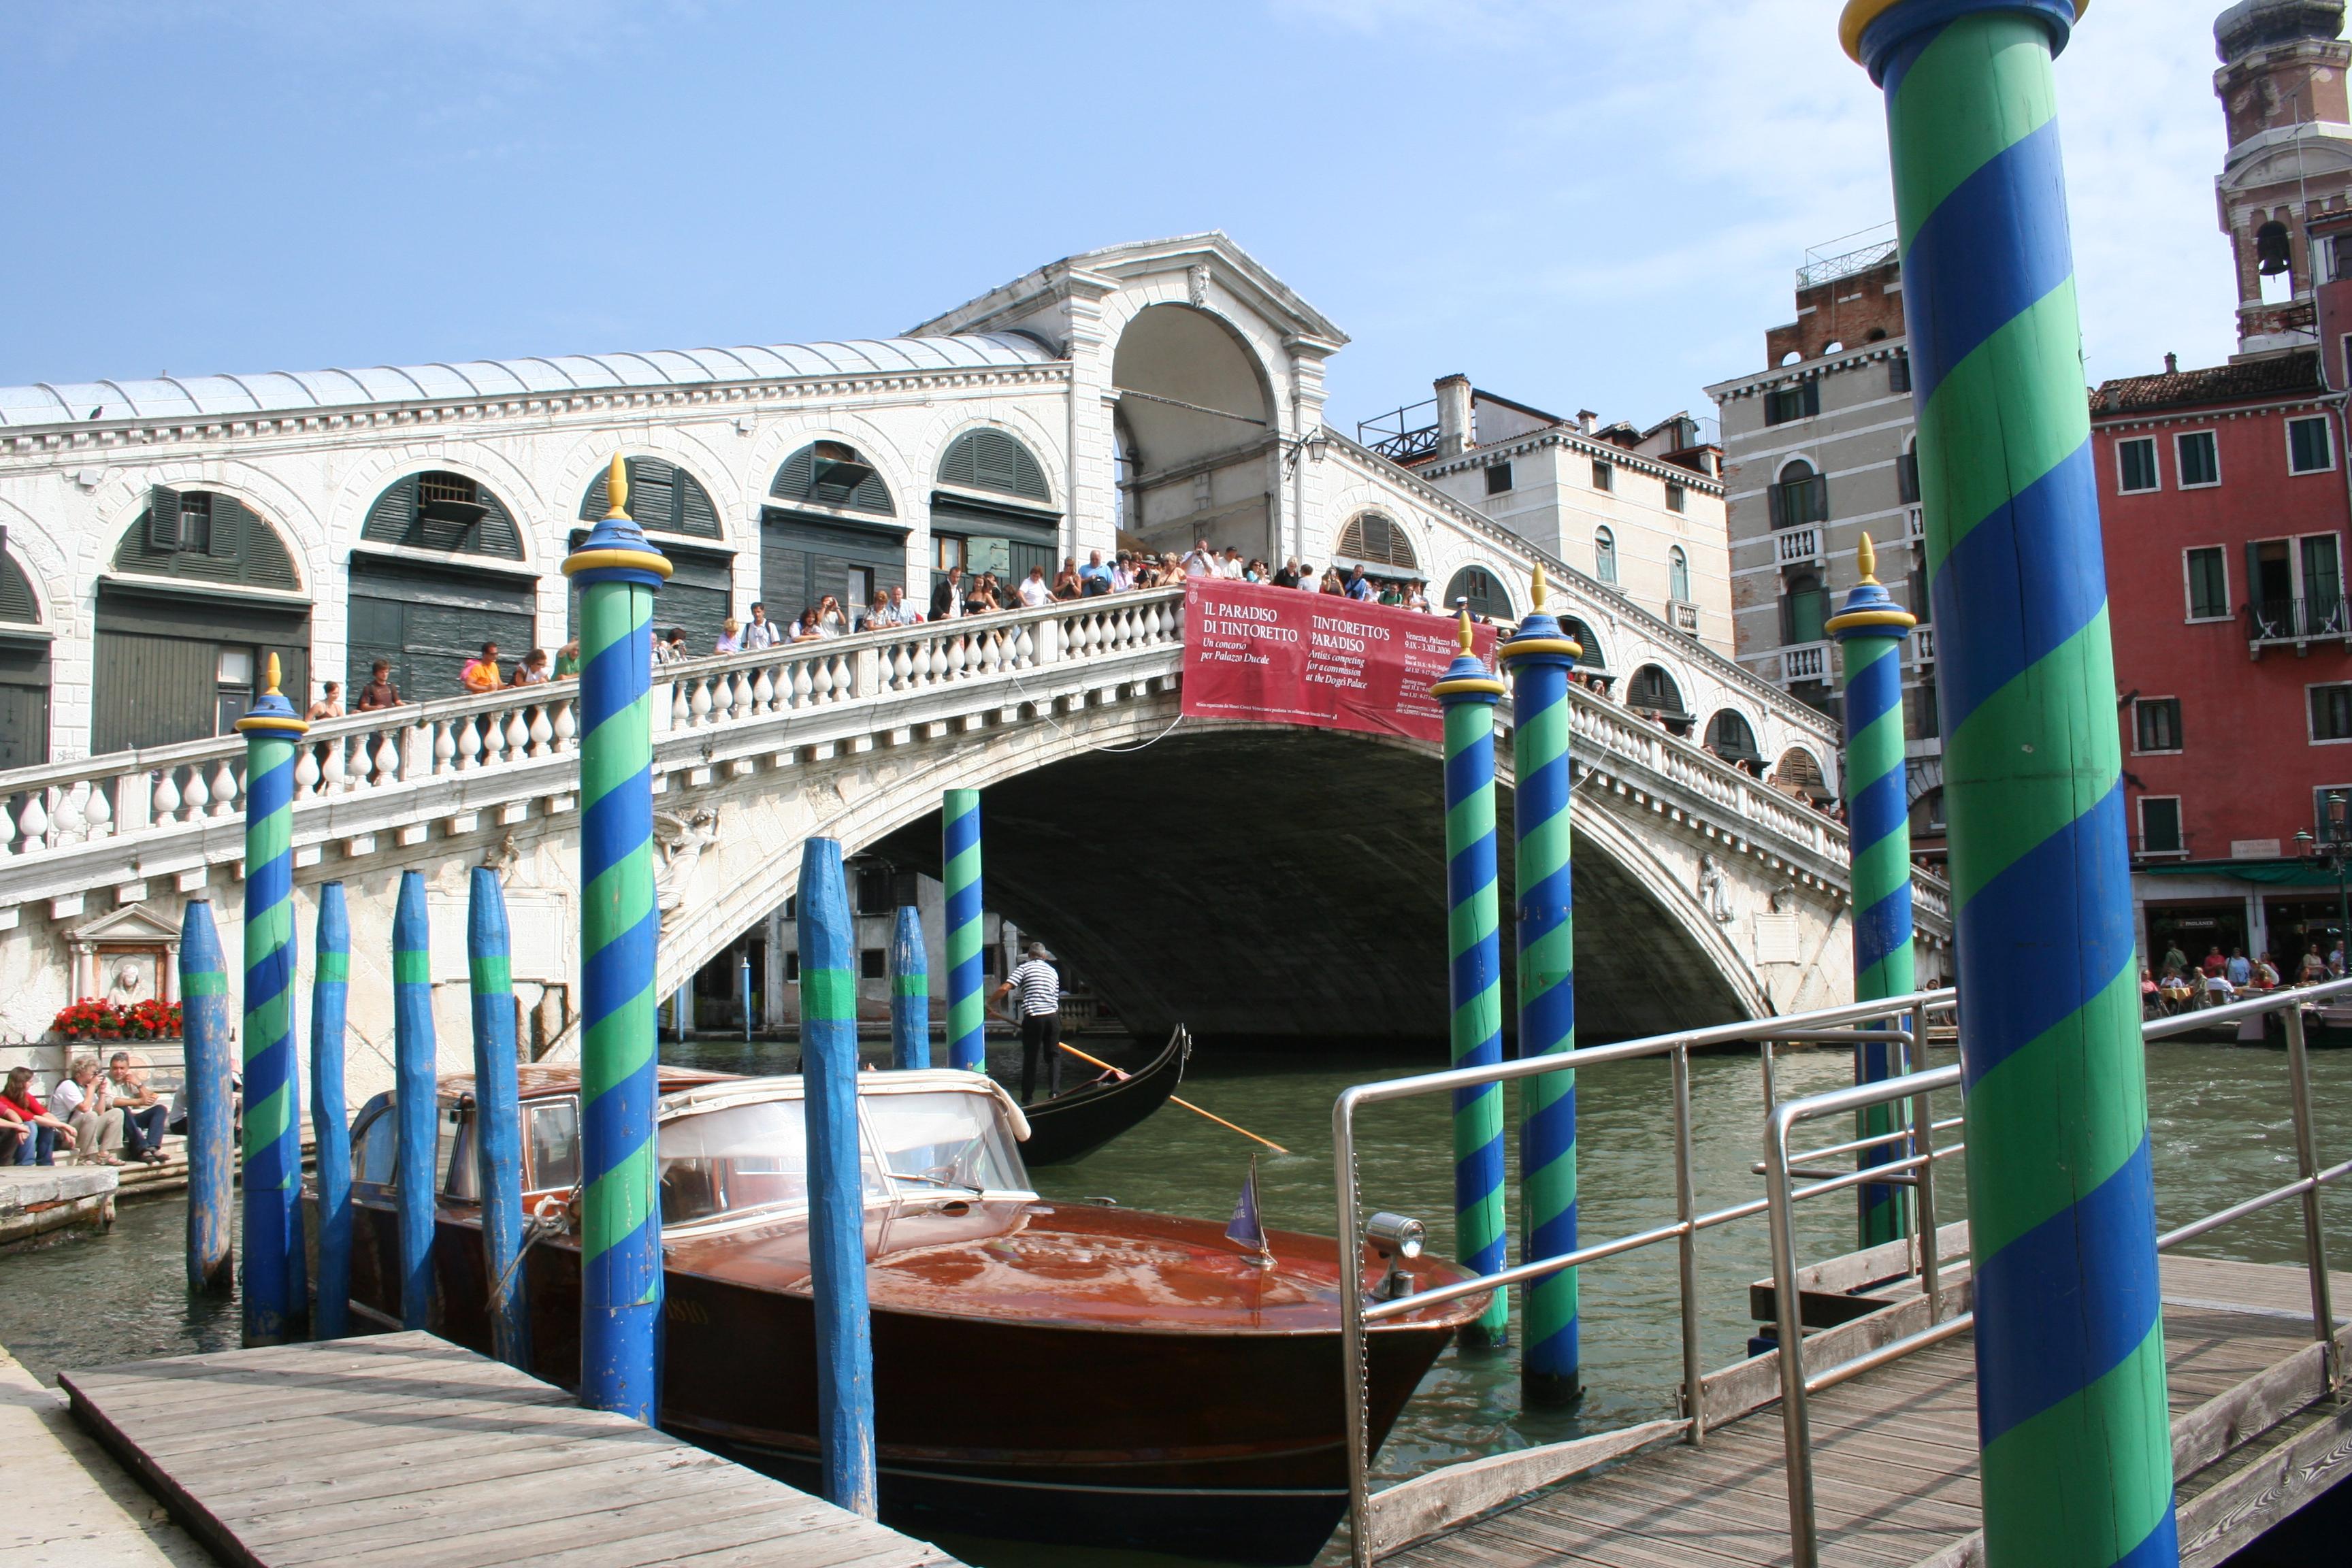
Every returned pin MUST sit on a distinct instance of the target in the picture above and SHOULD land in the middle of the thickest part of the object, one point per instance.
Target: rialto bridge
(1252, 881)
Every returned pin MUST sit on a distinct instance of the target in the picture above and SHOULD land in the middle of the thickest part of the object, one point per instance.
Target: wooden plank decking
(1894, 1455)
(403, 1448)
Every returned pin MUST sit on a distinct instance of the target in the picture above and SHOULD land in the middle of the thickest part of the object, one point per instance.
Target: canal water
(2221, 1133)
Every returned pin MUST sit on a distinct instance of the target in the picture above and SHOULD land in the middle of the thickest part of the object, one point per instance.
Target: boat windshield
(950, 1140)
(740, 1157)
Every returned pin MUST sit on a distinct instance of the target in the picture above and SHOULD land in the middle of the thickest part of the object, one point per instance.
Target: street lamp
(2333, 846)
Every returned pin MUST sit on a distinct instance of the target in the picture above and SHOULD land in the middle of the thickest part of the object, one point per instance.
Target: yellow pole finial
(1465, 636)
(1541, 590)
(1866, 557)
(273, 675)
(616, 486)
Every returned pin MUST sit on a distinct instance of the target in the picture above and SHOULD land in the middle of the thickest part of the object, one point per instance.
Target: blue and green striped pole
(415, 1092)
(329, 1114)
(275, 1305)
(2071, 1410)
(1475, 976)
(1870, 631)
(617, 572)
(212, 1100)
(1540, 657)
(498, 1116)
(845, 1345)
(960, 857)
(911, 992)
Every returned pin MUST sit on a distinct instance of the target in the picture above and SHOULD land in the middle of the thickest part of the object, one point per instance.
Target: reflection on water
(2221, 1131)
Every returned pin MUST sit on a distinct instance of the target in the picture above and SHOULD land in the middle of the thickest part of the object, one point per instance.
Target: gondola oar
(1174, 1099)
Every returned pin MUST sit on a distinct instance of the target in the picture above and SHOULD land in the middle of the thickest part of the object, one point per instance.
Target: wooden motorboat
(1043, 1370)
(1073, 1125)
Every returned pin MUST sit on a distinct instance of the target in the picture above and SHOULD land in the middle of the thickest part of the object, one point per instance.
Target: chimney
(1453, 430)
(1585, 419)
(2173, 364)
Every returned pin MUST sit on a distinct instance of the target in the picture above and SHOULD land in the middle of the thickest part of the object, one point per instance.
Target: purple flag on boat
(1245, 1228)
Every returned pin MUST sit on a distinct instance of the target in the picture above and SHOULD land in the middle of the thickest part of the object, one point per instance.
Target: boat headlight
(1395, 1235)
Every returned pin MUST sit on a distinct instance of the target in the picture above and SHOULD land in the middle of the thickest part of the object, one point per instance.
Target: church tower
(2282, 85)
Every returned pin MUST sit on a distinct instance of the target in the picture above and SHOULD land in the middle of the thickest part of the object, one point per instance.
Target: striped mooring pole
(617, 572)
(1870, 631)
(415, 1094)
(329, 1119)
(276, 1301)
(1475, 978)
(498, 1116)
(2071, 1411)
(1540, 657)
(212, 1102)
(960, 870)
(845, 1345)
(911, 992)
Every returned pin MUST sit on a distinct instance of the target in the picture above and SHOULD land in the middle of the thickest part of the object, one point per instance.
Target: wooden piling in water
(212, 1099)
(498, 1117)
(330, 993)
(911, 992)
(845, 1350)
(415, 1098)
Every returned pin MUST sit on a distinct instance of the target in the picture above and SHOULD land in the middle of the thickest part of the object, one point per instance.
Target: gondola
(1043, 1370)
(1073, 1125)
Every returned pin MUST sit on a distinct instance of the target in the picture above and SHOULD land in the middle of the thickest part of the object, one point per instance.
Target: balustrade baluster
(566, 727)
(35, 820)
(224, 788)
(764, 689)
(517, 733)
(305, 772)
(334, 776)
(387, 759)
(681, 711)
(468, 744)
(698, 705)
(539, 731)
(445, 746)
(802, 684)
(493, 742)
(164, 800)
(68, 825)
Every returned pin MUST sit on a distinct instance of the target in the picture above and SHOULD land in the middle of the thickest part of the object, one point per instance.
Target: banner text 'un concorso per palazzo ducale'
(1278, 656)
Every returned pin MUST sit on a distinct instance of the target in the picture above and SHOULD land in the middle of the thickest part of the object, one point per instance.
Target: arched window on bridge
(23, 669)
(1482, 590)
(992, 509)
(1729, 736)
(1380, 543)
(666, 501)
(829, 526)
(1604, 556)
(1592, 664)
(202, 590)
(1799, 774)
(437, 574)
(1653, 692)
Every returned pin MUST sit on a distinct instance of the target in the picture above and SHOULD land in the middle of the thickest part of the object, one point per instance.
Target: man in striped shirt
(1039, 986)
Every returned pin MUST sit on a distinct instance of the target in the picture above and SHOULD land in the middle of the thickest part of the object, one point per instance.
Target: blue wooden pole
(497, 1118)
(747, 993)
(330, 1122)
(911, 992)
(845, 1350)
(212, 1102)
(274, 1299)
(415, 1094)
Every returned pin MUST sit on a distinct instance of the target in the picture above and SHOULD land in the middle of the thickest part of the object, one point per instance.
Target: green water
(2221, 1131)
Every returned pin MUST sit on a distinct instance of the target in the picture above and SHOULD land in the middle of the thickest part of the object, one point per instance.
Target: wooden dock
(1894, 1451)
(403, 1448)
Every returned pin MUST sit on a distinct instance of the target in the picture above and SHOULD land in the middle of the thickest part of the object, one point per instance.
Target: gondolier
(1040, 987)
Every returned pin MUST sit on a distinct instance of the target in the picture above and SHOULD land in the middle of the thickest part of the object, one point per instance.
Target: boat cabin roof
(686, 1090)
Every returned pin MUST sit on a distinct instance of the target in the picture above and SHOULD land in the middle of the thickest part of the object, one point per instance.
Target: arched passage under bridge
(1287, 886)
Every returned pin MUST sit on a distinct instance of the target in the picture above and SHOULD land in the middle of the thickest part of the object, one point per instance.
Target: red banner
(1279, 656)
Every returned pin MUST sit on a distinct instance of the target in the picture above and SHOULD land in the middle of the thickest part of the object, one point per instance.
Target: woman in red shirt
(33, 1134)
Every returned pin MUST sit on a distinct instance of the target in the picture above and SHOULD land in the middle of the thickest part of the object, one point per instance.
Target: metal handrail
(1357, 1316)
(1920, 1087)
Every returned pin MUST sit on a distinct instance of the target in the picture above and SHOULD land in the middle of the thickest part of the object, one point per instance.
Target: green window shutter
(225, 538)
(653, 493)
(16, 594)
(992, 460)
(162, 518)
(696, 513)
(393, 515)
(796, 482)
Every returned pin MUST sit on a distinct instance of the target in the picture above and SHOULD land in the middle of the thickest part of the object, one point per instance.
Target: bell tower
(2282, 87)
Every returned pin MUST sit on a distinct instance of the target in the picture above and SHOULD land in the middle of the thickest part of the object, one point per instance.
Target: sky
(1576, 203)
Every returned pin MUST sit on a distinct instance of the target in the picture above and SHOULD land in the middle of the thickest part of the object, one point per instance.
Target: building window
(2308, 448)
(1898, 373)
(2331, 714)
(1800, 497)
(1604, 475)
(872, 964)
(2160, 824)
(1679, 575)
(2199, 459)
(1498, 478)
(2209, 584)
(1906, 478)
(2135, 466)
(1604, 556)
(1480, 592)
(1926, 722)
(1677, 498)
(2155, 724)
(874, 891)
(1800, 401)
(791, 968)
(947, 552)
(1377, 540)
(1804, 609)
